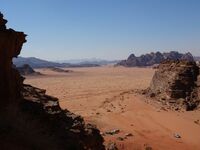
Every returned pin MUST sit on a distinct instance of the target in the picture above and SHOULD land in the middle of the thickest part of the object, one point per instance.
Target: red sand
(104, 96)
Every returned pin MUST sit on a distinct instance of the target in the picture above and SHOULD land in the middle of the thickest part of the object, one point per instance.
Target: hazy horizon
(92, 59)
(111, 30)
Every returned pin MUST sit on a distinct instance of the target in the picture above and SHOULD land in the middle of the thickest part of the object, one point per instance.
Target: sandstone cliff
(176, 83)
(30, 119)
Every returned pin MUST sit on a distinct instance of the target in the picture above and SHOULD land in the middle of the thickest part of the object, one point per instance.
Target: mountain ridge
(153, 58)
(40, 63)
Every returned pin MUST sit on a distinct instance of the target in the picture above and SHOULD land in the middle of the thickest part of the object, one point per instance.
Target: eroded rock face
(30, 119)
(10, 46)
(175, 81)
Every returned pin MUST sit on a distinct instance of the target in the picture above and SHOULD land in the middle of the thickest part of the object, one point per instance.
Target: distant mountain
(39, 63)
(89, 61)
(35, 62)
(154, 58)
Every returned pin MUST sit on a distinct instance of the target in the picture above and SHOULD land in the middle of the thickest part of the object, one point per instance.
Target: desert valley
(100, 75)
(107, 97)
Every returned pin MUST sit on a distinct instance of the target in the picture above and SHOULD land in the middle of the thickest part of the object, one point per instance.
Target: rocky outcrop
(27, 70)
(154, 58)
(175, 83)
(68, 129)
(10, 46)
(30, 119)
(55, 69)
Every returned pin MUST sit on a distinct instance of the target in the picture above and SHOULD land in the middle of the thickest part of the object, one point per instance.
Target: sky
(106, 29)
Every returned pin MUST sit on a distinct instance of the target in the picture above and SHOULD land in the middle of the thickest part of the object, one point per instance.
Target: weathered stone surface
(111, 146)
(30, 119)
(69, 129)
(175, 78)
(176, 83)
(112, 132)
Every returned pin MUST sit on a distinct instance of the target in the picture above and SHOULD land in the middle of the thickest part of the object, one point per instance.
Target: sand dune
(106, 97)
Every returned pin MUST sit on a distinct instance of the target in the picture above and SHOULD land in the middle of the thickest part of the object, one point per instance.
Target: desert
(99, 75)
(107, 97)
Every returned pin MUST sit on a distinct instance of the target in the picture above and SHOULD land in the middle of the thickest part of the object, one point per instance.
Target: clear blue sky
(108, 29)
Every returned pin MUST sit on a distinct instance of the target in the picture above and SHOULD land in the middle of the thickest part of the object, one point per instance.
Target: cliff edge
(30, 119)
(176, 84)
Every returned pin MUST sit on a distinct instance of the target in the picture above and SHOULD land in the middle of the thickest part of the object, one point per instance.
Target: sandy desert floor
(105, 96)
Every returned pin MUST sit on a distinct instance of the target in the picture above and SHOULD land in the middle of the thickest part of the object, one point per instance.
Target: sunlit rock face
(175, 81)
(30, 119)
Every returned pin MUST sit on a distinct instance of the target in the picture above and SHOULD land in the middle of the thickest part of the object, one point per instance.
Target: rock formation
(27, 70)
(10, 46)
(30, 119)
(175, 82)
(55, 69)
(154, 58)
